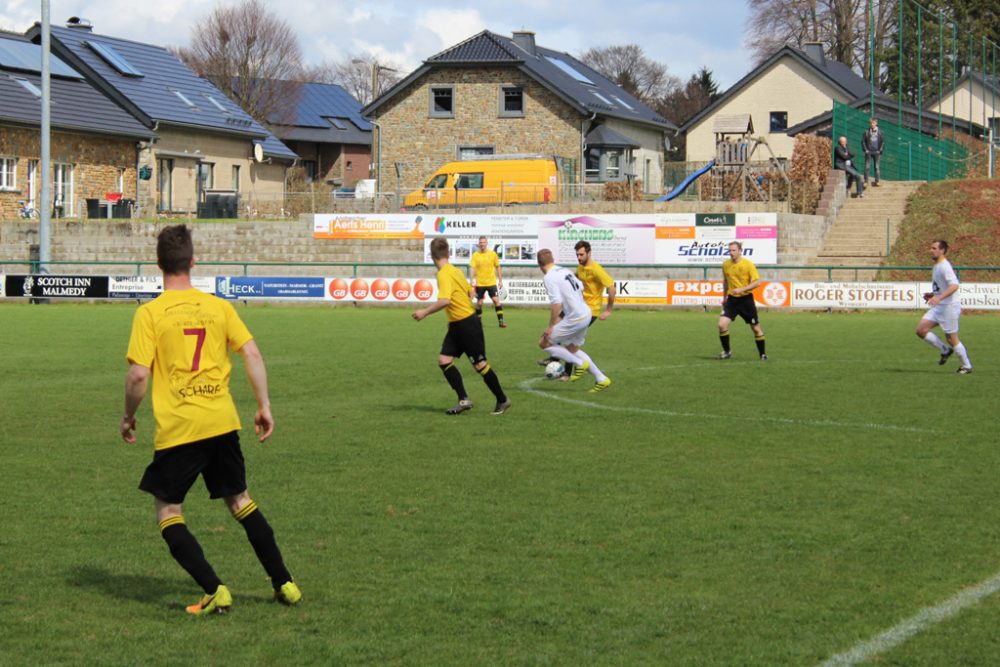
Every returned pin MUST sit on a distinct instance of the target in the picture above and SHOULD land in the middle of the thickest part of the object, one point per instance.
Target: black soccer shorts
(741, 306)
(465, 337)
(219, 460)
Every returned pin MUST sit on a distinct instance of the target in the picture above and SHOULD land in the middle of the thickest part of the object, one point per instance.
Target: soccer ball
(554, 369)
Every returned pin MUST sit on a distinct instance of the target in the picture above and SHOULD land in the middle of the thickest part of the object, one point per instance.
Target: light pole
(376, 68)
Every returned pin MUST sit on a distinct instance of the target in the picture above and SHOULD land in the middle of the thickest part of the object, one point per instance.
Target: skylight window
(216, 104)
(568, 69)
(623, 103)
(337, 123)
(115, 59)
(602, 98)
(30, 87)
(183, 98)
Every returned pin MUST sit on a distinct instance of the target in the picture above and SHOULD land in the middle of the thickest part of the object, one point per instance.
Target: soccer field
(696, 513)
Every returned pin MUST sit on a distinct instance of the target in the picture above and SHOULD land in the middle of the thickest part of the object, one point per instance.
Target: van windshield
(437, 182)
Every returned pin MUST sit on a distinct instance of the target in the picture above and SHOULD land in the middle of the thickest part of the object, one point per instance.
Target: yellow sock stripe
(170, 521)
(724, 333)
(758, 338)
(450, 364)
(484, 370)
(245, 511)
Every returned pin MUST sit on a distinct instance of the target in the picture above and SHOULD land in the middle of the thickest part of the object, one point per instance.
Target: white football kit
(565, 289)
(947, 312)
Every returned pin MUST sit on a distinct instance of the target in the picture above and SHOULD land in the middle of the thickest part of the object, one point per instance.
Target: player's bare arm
(257, 374)
(440, 304)
(136, 382)
(612, 292)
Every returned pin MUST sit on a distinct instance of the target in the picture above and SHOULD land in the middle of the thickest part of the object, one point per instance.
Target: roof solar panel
(27, 57)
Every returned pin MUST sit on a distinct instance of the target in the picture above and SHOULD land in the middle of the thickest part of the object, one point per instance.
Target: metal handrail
(35, 266)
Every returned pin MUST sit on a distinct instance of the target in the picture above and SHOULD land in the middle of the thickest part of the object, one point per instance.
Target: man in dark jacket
(872, 143)
(843, 158)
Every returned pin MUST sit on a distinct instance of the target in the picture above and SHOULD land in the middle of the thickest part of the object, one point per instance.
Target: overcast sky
(682, 34)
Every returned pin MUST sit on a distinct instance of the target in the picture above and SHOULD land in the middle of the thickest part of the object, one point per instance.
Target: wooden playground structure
(735, 167)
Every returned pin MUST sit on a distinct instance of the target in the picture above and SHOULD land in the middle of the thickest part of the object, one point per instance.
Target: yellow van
(491, 182)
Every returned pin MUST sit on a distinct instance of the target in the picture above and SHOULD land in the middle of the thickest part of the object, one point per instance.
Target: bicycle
(27, 211)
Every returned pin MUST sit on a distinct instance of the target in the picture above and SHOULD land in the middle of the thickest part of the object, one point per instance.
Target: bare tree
(842, 26)
(357, 73)
(251, 55)
(628, 66)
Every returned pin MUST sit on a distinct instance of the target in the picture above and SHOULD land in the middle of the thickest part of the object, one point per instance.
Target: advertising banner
(857, 295)
(640, 293)
(49, 286)
(254, 287)
(709, 293)
(984, 296)
(364, 226)
(138, 287)
(666, 238)
(525, 291)
(385, 290)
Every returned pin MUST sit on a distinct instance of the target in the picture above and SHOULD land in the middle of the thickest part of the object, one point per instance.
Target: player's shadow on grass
(172, 592)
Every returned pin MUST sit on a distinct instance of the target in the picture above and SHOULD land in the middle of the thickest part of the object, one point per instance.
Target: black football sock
(187, 552)
(724, 339)
(454, 378)
(264, 545)
(479, 312)
(493, 382)
(760, 344)
(500, 314)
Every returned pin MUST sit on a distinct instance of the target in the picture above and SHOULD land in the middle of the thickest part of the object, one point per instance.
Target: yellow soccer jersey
(595, 281)
(485, 265)
(739, 274)
(453, 285)
(183, 336)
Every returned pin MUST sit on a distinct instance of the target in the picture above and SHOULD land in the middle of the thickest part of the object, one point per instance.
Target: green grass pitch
(697, 513)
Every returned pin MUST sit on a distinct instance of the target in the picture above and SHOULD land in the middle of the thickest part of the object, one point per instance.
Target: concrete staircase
(864, 229)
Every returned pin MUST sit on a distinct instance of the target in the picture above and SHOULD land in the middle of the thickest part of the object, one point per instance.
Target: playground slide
(686, 182)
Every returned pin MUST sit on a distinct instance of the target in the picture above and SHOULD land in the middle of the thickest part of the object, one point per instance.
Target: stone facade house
(203, 143)
(92, 141)
(493, 94)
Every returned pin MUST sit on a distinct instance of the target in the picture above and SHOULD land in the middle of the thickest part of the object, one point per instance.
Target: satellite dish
(258, 153)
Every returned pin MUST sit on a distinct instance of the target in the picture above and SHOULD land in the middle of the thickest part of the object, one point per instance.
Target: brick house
(203, 143)
(92, 141)
(323, 125)
(505, 95)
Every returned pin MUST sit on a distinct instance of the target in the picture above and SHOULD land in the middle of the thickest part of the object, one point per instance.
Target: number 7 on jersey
(200, 333)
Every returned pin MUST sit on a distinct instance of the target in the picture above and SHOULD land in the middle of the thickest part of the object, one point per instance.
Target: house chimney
(526, 40)
(815, 51)
(79, 24)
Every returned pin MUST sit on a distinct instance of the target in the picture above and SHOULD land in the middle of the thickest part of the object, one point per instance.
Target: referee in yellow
(182, 340)
(487, 277)
(739, 279)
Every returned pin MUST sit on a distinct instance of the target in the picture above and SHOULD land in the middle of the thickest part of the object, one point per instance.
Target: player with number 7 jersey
(185, 336)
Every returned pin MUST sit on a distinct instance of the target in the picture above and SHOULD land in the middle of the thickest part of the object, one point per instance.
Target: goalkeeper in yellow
(487, 278)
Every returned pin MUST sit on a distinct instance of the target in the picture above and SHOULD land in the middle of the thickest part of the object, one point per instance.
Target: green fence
(908, 154)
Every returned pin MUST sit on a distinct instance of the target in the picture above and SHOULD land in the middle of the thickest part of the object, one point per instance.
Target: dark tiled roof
(602, 135)
(838, 74)
(317, 112)
(584, 88)
(153, 97)
(886, 109)
(76, 105)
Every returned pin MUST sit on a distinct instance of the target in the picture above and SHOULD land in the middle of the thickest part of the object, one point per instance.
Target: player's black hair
(942, 244)
(174, 249)
(582, 244)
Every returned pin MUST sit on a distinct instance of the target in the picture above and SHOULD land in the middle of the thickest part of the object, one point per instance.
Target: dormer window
(183, 98)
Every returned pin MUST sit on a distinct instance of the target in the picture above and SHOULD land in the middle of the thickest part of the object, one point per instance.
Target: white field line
(920, 621)
(528, 387)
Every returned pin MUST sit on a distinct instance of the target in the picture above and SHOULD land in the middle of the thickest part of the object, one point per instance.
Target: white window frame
(8, 173)
(62, 186)
(120, 181)
(32, 183)
(236, 177)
